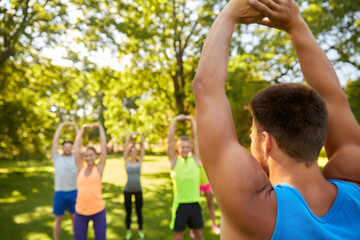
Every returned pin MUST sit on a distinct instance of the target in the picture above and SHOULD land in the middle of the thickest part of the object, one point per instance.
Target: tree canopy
(51, 70)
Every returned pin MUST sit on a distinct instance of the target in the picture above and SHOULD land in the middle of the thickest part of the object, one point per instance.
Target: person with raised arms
(65, 179)
(89, 203)
(133, 185)
(185, 175)
(278, 191)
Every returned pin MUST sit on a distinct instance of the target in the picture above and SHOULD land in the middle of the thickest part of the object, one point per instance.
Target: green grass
(27, 193)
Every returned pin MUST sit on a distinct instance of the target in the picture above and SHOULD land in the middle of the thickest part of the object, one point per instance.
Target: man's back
(252, 208)
(295, 220)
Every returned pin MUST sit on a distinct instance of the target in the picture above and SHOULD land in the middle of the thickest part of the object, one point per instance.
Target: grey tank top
(133, 184)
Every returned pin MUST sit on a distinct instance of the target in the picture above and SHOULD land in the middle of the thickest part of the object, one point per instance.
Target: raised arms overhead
(171, 138)
(56, 137)
(227, 164)
(127, 147)
(103, 151)
(343, 138)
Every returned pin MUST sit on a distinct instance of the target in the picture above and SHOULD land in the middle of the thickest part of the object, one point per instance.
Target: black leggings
(138, 205)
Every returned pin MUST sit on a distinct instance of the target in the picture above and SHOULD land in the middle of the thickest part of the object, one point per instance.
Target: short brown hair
(67, 141)
(183, 138)
(295, 115)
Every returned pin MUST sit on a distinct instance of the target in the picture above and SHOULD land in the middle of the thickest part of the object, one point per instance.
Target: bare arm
(171, 140)
(343, 138)
(103, 152)
(195, 141)
(171, 143)
(55, 140)
(142, 150)
(227, 164)
(77, 146)
(126, 149)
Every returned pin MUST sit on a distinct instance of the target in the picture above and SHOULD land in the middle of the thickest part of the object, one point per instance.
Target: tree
(352, 91)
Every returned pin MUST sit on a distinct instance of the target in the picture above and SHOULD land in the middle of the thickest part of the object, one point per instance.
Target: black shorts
(188, 214)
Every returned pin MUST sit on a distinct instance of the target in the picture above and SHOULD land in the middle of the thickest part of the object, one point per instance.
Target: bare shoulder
(244, 193)
(344, 164)
(245, 224)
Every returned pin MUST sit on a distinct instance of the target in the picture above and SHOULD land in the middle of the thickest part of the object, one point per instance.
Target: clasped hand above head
(91, 126)
(281, 14)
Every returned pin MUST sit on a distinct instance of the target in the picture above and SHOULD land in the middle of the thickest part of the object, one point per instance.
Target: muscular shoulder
(244, 222)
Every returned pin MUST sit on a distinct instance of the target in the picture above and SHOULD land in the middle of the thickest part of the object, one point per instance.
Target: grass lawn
(27, 193)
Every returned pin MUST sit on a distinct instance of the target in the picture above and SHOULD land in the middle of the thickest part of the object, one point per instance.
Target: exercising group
(275, 192)
(78, 185)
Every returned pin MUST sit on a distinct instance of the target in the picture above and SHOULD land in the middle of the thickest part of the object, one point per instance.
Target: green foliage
(159, 43)
(352, 91)
(244, 81)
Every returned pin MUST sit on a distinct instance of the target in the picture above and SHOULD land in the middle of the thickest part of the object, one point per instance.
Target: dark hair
(183, 138)
(91, 148)
(295, 115)
(67, 141)
(132, 146)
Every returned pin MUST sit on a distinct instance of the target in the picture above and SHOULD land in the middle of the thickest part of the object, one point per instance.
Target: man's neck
(290, 171)
(318, 193)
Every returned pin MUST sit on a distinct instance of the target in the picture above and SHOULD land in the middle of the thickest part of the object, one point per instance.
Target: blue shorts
(64, 201)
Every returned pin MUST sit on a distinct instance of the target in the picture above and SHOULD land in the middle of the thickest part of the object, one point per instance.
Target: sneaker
(141, 235)
(215, 229)
(191, 234)
(128, 235)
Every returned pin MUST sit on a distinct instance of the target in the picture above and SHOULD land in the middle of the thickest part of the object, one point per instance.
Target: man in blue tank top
(278, 190)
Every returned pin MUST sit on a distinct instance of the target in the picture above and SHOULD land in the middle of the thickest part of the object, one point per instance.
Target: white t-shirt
(65, 172)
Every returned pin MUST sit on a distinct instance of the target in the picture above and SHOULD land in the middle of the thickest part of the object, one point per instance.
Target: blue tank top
(295, 220)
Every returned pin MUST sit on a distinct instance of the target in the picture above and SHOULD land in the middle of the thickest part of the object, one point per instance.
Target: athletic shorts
(188, 214)
(64, 201)
(205, 188)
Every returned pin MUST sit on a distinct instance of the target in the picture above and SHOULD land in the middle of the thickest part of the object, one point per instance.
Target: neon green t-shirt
(186, 180)
(186, 183)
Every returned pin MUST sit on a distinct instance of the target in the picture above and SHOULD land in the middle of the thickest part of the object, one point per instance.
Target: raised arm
(343, 139)
(77, 146)
(142, 150)
(194, 137)
(103, 151)
(227, 164)
(55, 140)
(171, 143)
(126, 149)
(171, 139)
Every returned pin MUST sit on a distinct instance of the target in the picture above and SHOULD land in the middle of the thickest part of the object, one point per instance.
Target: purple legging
(81, 225)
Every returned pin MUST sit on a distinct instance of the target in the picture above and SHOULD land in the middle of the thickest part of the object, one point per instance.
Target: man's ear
(266, 143)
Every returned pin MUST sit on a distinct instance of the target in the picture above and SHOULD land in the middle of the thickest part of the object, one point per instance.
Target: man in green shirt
(185, 174)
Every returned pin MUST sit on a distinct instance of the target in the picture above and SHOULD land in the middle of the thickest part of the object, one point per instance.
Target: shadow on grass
(26, 198)
(26, 205)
